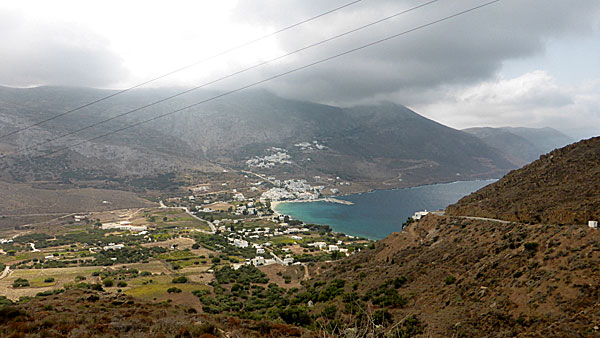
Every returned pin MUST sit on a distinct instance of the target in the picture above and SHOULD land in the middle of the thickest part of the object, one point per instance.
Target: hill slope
(561, 187)
(372, 145)
(466, 278)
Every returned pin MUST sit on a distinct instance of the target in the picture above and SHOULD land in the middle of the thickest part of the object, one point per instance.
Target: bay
(377, 214)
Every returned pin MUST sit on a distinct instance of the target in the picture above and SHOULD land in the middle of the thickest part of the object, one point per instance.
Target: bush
(173, 290)
(450, 280)
(121, 284)
(49, 280)
(20, 282)
(180, 280)
(531, 246)
(145, 273)
(295, 315)
(329, 312)
(382, 317)
(108, 282)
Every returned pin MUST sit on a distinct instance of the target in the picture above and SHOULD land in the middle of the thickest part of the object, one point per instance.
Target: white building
(288, 261)
(125, 226)
(419, 214)
(260, 251)
(258, 261)
(298, 238)
(240, 243)
(319, 245)
(113, 246)
(334, 248)
(593, 224)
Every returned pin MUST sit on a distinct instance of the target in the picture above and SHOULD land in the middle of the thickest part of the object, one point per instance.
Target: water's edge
(376, 214)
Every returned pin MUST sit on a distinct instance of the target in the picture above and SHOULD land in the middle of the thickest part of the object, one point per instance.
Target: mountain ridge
(399, 146)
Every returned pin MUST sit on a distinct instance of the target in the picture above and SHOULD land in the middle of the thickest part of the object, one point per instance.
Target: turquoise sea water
(379, 213)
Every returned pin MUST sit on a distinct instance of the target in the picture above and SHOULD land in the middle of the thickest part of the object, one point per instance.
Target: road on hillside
(442, 213)
(6, 272)
(213, 228)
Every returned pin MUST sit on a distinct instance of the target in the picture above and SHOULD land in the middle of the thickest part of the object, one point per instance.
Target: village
(206, 227)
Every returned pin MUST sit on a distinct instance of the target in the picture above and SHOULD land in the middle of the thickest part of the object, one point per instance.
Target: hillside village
(196, 233)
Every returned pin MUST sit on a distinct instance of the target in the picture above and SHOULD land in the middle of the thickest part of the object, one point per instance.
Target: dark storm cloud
(462, 51)
(54, 54)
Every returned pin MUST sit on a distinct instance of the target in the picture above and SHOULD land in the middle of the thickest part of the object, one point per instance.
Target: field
(170, 218)
(36, 278)
(22, 204)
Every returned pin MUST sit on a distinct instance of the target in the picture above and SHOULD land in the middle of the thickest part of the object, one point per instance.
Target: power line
(277, 76)
(181, 69)
(226, 77)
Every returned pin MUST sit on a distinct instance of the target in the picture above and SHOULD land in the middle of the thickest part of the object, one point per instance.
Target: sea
(378, 213)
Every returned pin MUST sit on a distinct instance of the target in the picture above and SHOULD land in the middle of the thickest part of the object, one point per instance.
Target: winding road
(6, 272)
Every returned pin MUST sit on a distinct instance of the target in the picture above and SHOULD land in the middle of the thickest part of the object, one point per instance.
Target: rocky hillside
(561, 187)
(373, 145)
(88, 313)
(453, 277)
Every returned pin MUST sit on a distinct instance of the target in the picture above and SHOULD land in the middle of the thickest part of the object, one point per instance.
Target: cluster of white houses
(279, 157)
(293, 189)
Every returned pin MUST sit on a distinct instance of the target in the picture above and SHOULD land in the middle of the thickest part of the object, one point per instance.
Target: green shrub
(49, 280)
(173, 290)
(531, 246)
(180, 280)
(329, 312)
(295, 315)
(121, 284)
(382, 317)
(450, 280)
(20, 282)
(108, 282)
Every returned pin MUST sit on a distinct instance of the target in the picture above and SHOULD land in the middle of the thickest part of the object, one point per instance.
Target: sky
(528, 63)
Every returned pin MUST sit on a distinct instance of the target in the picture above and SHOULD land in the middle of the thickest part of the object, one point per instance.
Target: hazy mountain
(384, 145)
(521, 145)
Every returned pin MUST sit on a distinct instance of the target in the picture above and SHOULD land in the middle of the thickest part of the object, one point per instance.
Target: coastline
(410, 187)
(274, 204)
(371, 222)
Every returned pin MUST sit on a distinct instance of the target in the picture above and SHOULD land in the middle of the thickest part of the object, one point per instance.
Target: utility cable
(277, 76)
(224, 77)
(180, 69)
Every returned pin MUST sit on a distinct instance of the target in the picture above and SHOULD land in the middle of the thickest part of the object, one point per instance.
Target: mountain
(521, 145)
(561, 187)
(380, 146)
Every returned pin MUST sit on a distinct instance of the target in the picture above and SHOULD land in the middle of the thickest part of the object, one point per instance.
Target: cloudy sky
(515, 63)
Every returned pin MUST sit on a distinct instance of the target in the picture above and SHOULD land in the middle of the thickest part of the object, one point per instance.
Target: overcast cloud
(39, 53)
(455, 72)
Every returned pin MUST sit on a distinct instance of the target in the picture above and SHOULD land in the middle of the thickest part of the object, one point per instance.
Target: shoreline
(274, 204)
(411, 187)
